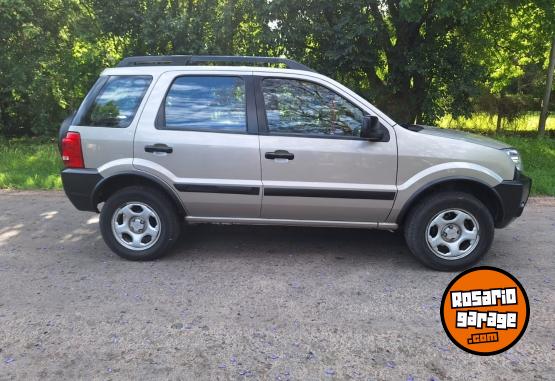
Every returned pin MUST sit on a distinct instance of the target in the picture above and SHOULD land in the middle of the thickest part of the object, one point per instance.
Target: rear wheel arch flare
(112, 184)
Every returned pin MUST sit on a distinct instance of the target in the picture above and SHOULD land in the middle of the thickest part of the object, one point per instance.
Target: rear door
(315, 165)
(199, 133)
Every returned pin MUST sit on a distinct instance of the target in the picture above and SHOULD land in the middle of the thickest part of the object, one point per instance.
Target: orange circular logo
(485, 310)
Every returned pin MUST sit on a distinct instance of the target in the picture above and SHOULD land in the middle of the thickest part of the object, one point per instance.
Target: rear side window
(206, 103)
(116, 103)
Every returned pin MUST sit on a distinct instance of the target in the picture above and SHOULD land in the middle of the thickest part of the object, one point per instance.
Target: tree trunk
(401, 106)
(548, 88)
(500, 112)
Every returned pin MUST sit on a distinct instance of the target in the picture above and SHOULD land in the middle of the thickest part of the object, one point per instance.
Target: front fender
(419, 183)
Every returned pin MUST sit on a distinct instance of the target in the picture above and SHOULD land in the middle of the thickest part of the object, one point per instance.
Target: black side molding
(287, 192)
(330, 193)
(209, 188)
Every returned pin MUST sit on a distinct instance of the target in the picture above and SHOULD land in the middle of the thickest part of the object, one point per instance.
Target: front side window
(306, 108)
(117, 102)
(207, 103)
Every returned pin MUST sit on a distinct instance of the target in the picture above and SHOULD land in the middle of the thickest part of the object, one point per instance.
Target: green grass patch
(29, 164)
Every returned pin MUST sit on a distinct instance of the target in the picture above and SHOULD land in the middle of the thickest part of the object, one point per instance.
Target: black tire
(416, 234)
(169, 224)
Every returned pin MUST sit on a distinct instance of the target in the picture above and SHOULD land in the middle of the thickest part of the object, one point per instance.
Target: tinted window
(306, 108)
(206, 103)
(117, 102)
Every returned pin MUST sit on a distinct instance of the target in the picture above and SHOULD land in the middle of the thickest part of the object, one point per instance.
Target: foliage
(49, 60)
(415, 59)
(520, 39)
(408, 57)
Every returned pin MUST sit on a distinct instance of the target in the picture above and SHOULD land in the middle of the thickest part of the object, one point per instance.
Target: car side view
(163, 140)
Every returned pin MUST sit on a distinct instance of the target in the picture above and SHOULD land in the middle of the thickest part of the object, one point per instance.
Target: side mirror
(372, 129)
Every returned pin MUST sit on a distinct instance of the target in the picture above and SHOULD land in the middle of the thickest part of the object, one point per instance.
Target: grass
(485, 123)
(29, 164)
(35, 163)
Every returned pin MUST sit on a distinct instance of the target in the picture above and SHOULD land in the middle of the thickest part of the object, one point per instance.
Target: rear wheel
(449, 231)
(139, 223)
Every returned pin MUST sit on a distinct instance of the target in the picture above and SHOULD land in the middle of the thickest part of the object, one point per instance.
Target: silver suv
(210, 139)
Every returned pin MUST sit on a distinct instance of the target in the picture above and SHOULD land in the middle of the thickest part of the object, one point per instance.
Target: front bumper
(513, 195)
(79, 185)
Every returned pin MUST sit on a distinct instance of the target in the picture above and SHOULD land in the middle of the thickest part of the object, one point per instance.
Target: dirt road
(249, 302)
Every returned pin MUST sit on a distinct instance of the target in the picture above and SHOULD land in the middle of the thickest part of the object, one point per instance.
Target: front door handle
(158, 148)
(279, 154)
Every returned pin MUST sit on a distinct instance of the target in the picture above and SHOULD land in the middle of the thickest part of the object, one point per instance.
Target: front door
(196, 134)
(315, 166)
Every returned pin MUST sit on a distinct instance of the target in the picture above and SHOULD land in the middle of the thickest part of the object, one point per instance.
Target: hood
(458, 135)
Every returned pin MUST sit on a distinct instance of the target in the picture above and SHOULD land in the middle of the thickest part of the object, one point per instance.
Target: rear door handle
(279, 154)
(158, 148)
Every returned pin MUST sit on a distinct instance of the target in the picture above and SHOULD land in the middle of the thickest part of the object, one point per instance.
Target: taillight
(72, 155)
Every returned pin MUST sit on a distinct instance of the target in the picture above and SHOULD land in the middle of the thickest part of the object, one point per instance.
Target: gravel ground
(234, 302)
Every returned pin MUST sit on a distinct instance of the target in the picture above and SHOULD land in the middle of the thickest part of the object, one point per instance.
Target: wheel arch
(483, 192)
(112, 184)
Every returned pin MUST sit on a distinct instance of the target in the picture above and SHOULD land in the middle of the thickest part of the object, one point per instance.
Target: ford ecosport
(159, 141)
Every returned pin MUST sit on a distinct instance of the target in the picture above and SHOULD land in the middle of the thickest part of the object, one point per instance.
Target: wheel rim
(453, 234)
(136, 226)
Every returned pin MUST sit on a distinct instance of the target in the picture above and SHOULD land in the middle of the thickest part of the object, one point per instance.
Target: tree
(52, 51)
(548, 89)
(511, 54)
(415, 59)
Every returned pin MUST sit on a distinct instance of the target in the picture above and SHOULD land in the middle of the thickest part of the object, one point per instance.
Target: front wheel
(449, 231)
(139, 223)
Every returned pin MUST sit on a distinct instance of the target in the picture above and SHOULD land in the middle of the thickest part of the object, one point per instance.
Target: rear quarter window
(206, 103)
(115, 103)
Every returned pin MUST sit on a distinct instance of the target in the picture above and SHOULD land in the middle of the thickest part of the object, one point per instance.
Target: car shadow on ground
(229, 241)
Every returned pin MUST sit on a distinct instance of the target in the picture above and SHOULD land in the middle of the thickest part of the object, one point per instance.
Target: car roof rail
(191, 60)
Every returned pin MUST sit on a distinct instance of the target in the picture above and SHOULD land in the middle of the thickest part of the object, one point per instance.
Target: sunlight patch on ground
(8, 233)
(77, 235)
(49, 215)
(92, 220)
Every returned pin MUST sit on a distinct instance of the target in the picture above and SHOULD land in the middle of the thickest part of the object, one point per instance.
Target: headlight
(515, 157)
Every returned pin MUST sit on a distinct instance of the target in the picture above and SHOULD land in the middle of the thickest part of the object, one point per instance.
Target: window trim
(97, 88)
(263, 118)
(250, 107)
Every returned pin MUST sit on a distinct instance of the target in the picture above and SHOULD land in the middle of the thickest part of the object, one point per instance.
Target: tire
(139, 223)
(439, 231)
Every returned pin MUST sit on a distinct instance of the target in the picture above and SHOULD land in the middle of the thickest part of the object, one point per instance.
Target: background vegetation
(472, 64)
(418, 60)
